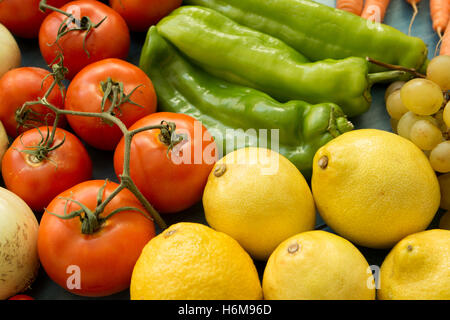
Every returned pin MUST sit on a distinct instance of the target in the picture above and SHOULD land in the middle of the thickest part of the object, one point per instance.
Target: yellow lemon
(374, 187)
(444, 183)
(317, 265)
(418, 267)
(190, 261)
(259, 198)
(444, 223)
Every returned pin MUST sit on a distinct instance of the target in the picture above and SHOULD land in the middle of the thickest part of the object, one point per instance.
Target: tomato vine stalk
(91, 220)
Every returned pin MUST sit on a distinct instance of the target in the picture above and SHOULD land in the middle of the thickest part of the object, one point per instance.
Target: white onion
(19, 261)
(9, 51)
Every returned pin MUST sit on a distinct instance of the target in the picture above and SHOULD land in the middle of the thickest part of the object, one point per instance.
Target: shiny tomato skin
(109, 40)
(85, 94)
(21, 85)
(23, 17)
(141, 14)
(21, 297)
(105, 259)
(38, 183)
(168, 186)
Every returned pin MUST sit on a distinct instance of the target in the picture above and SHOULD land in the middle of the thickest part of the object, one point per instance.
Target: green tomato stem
(92, 221)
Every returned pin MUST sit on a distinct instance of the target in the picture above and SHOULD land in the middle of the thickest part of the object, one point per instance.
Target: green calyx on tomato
(39, 152)
(110, 86)
(38, 172)
(85, 32)
(170, 183)
(115, 93)
(82, 24)
(169, 137)
(91, 221)
(26, 116)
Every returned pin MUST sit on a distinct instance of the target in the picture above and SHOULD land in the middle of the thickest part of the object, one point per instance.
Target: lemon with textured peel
(317, 265)
(258, 197)
(418, 267)
(190, 261)
(374, 187)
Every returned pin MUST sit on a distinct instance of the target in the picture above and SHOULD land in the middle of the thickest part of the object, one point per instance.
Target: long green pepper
(239, 116)
(321, 32)
(244, 56)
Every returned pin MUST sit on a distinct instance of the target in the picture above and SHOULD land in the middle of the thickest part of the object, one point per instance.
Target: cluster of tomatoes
(93, 39)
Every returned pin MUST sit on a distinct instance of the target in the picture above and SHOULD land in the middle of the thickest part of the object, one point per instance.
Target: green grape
(425, 134)
(440, 157)
(408, 120)
(438, 71)
(422, 96)
(394, 86)
(394, 105)
(446, 114)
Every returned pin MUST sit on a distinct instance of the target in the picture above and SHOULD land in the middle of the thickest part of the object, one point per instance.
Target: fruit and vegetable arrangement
(229, 158)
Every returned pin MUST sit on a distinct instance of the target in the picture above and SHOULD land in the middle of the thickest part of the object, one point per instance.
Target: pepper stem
(384, 76)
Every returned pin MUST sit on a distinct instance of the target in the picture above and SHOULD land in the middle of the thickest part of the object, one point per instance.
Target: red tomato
(141, 14)
(175, 182)
(21, 85)
(38, 182)
(85, 94)
(23, 17)
(21, 297)
(109, 40)
(97, 264)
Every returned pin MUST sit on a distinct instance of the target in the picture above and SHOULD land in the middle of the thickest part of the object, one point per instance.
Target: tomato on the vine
(86, 92)
(26, 84)
(97, 264)
(23, 17)
(141, 14)
(104, 35)
(171, 180)
(37, 181)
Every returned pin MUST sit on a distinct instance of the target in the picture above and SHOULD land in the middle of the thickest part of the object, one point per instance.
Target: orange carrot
(440, 12)
(445, 44)
(353, 6)
(374, 10)
(413, 3)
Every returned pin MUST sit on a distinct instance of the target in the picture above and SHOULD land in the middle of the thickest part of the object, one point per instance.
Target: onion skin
(19, 262)
(10, 56)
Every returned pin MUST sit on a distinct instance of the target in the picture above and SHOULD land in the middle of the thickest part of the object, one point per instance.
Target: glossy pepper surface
(321, 32)
(240, 55)
(239, 116)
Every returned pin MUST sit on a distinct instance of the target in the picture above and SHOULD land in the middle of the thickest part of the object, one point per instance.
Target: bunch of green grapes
(420, 111)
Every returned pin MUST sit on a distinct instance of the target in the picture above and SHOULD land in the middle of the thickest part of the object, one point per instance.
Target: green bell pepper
(239, 116)
(238, 54)
(321, 32)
